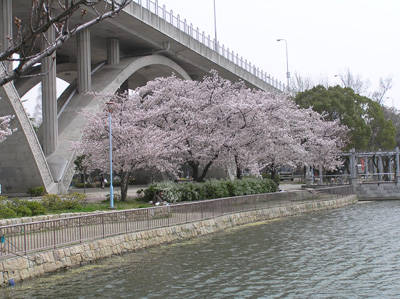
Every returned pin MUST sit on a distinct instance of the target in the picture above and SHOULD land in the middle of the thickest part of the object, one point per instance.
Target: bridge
(143, 42)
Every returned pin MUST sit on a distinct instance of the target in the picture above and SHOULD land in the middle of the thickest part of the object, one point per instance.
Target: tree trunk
(205, 170)
(239, 172)
(124, 185)
(84, 182)
(194, 165)
(273, 173)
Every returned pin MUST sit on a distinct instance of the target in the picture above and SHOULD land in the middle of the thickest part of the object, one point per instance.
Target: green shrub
(37, 191)
(6, 212)
(23, 211)
(53, 202)
(36, 207)
(276, 179)
(175, 192)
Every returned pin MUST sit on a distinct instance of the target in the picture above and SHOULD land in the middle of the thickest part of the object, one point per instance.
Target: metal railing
(205, 39)
(21, 239)
(342, 179)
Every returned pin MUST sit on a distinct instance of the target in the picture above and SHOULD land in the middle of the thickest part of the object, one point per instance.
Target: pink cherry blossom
(171, 122)
(5, 129)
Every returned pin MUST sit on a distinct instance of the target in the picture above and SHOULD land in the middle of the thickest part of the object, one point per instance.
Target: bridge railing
(194, 32)
(21, 239)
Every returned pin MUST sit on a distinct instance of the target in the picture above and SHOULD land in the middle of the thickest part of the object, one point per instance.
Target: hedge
(14, 207)
(190, 191)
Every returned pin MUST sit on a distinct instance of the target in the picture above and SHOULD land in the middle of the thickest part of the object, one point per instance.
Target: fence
(205, 39)
(35, 236)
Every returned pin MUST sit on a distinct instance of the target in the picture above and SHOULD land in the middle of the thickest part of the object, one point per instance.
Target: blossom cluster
(170, 122)
(5, 129)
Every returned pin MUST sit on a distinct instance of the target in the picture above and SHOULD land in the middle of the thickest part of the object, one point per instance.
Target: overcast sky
(325, 37)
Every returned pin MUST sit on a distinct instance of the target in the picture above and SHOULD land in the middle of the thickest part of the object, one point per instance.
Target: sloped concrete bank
(21, 268)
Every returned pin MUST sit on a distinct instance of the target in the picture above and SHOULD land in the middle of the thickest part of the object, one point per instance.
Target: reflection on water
(346, 253)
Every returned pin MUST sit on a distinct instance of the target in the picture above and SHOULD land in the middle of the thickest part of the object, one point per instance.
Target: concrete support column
(397, 165)
(84, 60)
(390, 168)
(49, 97)
(380, 168)
(366, 167)
(113, 56)
(353, 171)
(6, 23)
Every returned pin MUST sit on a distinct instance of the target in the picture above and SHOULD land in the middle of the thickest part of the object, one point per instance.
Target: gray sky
(325, 37)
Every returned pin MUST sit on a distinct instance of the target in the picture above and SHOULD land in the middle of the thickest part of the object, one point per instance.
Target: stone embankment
(21, 268)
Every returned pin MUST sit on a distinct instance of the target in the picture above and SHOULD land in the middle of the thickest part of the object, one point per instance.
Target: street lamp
(287, 62)
(110, 109)
(215, 28)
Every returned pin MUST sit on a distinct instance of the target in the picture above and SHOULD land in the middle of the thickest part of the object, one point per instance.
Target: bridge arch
(142, 69)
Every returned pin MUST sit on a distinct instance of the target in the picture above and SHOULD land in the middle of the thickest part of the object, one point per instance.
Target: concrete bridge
(144, 42)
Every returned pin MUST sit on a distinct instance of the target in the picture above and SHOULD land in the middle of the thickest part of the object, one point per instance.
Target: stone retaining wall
(21, 268)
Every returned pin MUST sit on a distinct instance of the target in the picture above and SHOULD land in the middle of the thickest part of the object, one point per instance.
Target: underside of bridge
(123, 51)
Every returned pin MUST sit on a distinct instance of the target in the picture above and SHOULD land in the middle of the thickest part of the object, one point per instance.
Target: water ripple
(346, 253)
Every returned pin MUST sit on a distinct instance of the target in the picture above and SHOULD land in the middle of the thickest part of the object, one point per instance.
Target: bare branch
(43, 15)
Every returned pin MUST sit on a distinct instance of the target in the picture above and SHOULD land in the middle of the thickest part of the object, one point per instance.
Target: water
(352, 252)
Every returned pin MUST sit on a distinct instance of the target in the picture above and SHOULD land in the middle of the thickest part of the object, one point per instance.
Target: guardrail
(21, 239)
(205, 39)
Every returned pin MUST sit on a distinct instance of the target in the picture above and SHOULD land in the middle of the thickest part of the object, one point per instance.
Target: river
(353, 252)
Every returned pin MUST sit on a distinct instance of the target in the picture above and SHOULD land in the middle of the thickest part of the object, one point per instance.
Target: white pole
(215, 27)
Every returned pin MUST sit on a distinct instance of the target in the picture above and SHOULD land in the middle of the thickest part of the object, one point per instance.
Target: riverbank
(33, 265)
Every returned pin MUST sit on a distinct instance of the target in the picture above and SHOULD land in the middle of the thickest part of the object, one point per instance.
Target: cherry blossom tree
(5, 129)
(198, 111)
(137, 142)
(268, 131)
(170, 122)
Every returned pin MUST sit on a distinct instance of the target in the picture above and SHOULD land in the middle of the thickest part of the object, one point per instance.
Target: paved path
(98, 194)
(290, 187)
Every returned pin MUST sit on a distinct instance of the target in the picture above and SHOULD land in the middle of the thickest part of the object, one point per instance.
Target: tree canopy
(171, 122)
(364, 117)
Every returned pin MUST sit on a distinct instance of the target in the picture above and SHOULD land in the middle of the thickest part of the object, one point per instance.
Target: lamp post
(287, 62)
(215, 28)
(109, 109)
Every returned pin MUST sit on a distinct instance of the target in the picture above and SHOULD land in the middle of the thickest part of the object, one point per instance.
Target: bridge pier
(6, 23)
(84, 61)
(113, 56)
(49, 98)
